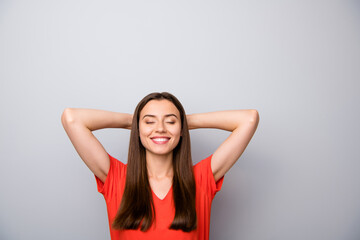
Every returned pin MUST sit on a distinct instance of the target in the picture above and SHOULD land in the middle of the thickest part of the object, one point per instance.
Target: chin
(159, 152)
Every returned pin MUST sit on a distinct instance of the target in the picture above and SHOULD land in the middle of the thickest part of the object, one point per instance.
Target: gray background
(296, 62)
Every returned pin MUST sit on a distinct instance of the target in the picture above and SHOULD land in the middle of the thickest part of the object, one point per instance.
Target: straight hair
(137, 206)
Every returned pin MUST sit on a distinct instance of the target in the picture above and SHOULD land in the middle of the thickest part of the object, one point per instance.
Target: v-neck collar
(166, 196)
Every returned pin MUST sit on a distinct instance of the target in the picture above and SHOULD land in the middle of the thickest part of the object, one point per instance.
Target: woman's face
(159, 127)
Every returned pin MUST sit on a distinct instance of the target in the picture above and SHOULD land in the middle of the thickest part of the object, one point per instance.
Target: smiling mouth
(160, 140)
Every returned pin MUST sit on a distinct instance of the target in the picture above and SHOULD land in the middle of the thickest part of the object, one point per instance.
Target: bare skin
(79, 124)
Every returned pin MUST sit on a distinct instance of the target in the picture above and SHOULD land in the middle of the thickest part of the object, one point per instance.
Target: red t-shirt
(206, 188)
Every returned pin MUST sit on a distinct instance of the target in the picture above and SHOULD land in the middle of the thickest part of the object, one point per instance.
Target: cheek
(143, 138)
(144, 130)
(176, 131)
(143, 133)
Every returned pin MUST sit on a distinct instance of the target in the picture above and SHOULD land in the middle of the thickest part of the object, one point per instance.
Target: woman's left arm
(242, 124)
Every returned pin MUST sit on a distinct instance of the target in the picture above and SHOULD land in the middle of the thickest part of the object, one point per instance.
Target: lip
(157, 140)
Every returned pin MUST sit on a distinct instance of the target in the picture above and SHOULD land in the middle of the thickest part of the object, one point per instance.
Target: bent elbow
(67, 116)
(254, 116)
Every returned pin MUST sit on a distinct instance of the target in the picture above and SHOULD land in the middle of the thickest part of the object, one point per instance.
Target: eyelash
(153, 122)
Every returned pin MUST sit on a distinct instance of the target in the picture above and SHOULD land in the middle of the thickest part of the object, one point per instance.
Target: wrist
(129, 122)
(190, 121)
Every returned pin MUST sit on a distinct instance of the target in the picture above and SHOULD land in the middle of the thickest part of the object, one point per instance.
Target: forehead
(159, 108)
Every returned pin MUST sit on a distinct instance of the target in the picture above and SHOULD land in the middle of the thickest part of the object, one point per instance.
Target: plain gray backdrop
(296, 62)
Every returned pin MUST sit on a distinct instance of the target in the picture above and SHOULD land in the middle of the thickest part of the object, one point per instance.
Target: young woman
(159, 194)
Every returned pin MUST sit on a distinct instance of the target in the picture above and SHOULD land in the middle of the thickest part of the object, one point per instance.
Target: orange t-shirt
(206, 188)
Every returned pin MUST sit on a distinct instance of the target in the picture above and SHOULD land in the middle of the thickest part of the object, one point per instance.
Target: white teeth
(160, 139)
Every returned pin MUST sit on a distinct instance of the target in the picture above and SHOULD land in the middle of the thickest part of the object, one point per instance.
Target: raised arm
(242, 124)
(79, 124)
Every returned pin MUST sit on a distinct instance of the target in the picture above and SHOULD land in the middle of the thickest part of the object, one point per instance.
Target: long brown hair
(137, 206)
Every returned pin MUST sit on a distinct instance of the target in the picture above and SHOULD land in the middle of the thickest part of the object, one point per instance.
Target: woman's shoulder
(203, 165)
(116, 162)
(204, 177)
(117, 167)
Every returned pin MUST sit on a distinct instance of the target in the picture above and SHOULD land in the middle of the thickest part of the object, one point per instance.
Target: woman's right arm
(79, 124)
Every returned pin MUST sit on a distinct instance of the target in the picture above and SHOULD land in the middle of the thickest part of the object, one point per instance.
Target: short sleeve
(116, 174)
(205, 177)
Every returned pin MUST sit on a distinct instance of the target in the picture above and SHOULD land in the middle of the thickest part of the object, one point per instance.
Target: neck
(159, 166)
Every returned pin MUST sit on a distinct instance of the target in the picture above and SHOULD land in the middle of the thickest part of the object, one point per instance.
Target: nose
(160, 127)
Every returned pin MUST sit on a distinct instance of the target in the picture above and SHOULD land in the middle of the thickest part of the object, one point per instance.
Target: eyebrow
(167, 115)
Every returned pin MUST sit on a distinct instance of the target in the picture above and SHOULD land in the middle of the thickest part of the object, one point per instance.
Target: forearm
(95, 119)
(225, 120)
